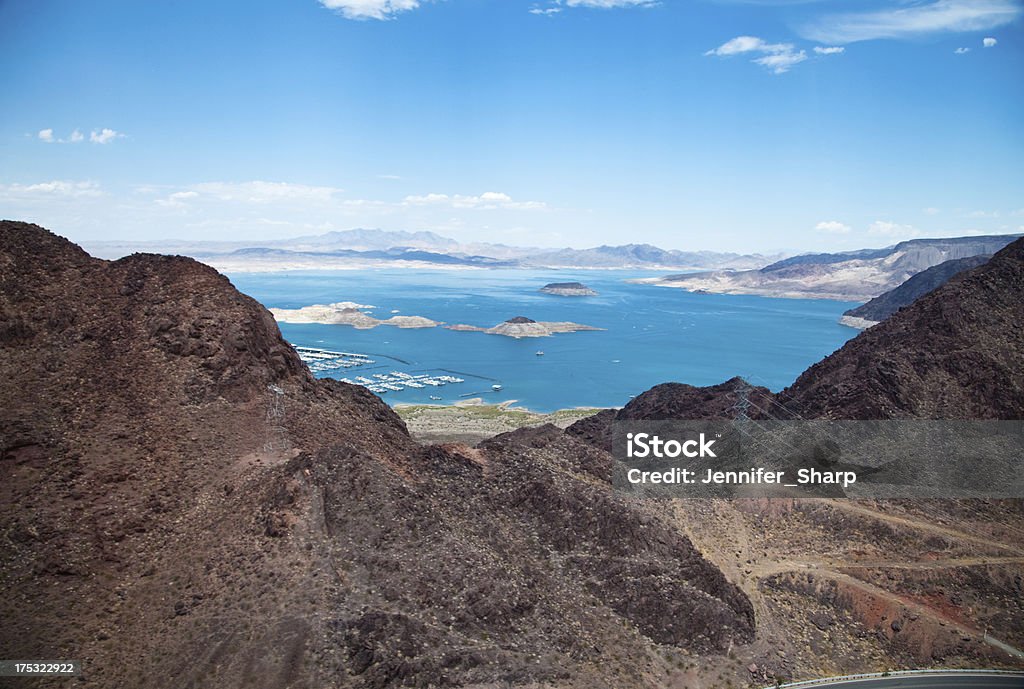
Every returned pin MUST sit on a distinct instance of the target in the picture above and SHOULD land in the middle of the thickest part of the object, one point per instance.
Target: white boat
(540, 353)
(495, 387)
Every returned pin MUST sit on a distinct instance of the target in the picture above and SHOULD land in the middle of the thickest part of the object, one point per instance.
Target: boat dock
(325, 361)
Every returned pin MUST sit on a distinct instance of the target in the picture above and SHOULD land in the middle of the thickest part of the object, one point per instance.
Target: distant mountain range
(359, 247)
(852, 275)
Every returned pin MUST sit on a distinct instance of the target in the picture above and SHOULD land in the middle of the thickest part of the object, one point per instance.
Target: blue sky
(697, 124)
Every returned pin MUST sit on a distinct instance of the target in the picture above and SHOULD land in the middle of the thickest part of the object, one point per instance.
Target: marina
(325, 361)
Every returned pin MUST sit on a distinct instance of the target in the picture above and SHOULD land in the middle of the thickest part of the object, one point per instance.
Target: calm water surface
(652, 334)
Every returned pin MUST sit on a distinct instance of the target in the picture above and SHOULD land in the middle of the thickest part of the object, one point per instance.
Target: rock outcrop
(884, 305)
(568, 289)
(521, 326)
(854, 275)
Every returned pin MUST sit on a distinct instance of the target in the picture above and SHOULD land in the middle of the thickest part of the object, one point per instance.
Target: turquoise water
(653, 334)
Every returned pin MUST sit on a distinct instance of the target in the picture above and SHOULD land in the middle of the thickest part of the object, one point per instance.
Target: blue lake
(652, 334)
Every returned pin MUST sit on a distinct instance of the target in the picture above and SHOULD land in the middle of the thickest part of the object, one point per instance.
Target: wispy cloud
(97, 136)
(101, 136)
(370, 9)
(257, 191)
(558, 5)
(489, 200)
(829, 49)
(906, 21)
(610, 4)
(833, 227)
(962, 51)
(55, 188)
(778, 57)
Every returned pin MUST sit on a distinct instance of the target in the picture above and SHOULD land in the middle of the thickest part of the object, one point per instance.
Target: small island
(348, 313)
(568, 289)
(521, 326)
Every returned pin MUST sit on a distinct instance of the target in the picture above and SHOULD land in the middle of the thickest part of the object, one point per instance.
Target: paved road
(960, 680)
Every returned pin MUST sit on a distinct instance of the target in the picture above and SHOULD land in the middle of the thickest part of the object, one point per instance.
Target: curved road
(959, 680)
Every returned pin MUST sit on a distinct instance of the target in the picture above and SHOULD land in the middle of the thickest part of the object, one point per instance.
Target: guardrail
(887, 675)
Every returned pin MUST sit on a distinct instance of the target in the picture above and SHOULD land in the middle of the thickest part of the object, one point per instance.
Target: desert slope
(918, 285)
(857, 275)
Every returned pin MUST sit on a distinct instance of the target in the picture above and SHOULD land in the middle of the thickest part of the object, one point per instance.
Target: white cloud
(370, 9)
(829, 49)
(50, 189)
(103, 136)
(609, 4)
(891, 229)
(778, 57)
(259, 191)
(558, 5)
(781, 62)
(832, 227)
(178, 198)
(931, 210)
(742, 44)
(962, 51)
(489, 200)
(904, 21)
(989, 42)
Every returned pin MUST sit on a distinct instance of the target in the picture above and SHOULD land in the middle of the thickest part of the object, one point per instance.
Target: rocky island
(568, 289)
(348, 313)
(521, 326)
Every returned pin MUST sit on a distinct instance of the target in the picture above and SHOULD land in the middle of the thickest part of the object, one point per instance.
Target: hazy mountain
(884, 305)
(353, 248)
(640, 256)
(851, 276)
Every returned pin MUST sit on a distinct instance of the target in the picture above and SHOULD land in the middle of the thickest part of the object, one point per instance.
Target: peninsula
(521, 326)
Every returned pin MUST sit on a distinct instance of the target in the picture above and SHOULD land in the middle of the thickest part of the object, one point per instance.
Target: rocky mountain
(848, 586)
(884, 305)
(850, 276)
(956, 353)
(183, 505)
(353, 248)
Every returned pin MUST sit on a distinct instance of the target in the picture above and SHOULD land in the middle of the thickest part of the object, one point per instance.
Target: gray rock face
(884, 305)
(856, 275)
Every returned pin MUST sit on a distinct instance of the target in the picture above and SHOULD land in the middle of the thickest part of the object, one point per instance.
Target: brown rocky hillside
(183, 505)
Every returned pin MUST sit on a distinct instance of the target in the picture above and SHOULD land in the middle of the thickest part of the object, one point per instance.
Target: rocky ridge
(177, 485)
(884, 305)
